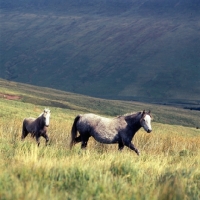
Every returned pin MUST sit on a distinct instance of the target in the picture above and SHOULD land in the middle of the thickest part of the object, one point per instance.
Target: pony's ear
(150, 114)
(143, 112)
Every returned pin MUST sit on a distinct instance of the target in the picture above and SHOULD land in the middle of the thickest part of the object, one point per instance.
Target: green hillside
(47, 97)
(132, 50)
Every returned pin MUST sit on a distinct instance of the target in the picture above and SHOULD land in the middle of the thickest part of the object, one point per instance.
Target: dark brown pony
(37, 127)
(119, 130)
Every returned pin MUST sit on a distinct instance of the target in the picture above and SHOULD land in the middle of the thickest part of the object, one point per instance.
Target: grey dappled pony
(37, 126)
(119, 130)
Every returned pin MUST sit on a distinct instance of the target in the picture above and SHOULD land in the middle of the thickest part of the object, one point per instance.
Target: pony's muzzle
(149, 131)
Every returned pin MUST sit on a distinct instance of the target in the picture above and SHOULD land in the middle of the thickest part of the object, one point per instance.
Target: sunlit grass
(168, 167)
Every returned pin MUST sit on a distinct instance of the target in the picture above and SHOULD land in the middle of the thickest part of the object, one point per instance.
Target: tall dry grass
(168, 167)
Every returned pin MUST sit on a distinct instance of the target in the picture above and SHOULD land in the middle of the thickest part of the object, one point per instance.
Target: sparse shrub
(184, 152)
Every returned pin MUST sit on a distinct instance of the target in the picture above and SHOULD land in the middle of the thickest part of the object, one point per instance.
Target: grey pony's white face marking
(46, 114)
(146, 123)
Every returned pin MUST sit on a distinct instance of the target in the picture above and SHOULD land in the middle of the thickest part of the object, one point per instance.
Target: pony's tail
(74, 131)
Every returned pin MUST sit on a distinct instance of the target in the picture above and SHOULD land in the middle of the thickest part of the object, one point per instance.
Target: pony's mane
(133, 114)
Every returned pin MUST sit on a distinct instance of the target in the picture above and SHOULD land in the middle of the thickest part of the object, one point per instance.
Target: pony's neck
(134, 121)
(136, 128)
(41, 120)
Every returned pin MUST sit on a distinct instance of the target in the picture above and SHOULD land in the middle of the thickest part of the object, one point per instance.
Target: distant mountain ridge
(136, 50)
(101, 4)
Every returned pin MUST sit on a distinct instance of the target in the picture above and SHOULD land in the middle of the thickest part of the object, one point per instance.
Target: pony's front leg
(132, 147)
(46, 137)
(120, 145)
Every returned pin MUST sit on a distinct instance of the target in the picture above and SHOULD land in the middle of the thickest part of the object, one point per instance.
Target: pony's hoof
(138, 153)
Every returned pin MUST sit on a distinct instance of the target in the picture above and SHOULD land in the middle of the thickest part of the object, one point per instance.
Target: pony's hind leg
(85, 139)
(84, 144)
(38, 140)
(24, 133)
(82, 138)
(77, 139)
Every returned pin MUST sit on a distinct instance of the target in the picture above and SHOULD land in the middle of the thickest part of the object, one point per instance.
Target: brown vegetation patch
(10, 96)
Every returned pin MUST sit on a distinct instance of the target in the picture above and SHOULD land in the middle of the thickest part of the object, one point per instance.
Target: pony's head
(145, 121)
(46, 115)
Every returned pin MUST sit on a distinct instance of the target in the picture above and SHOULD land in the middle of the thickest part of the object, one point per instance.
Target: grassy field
(168, 167)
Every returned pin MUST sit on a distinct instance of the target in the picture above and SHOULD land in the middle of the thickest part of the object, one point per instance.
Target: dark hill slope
(141, 50)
